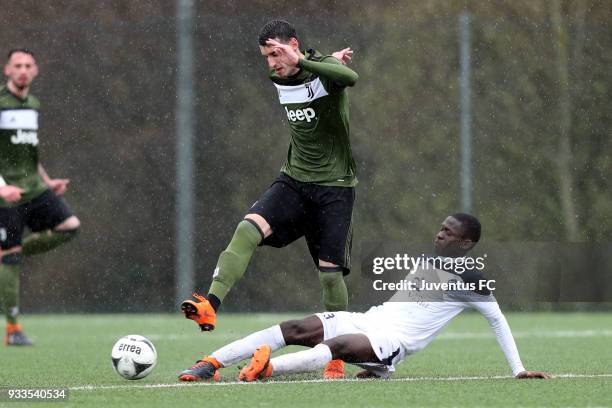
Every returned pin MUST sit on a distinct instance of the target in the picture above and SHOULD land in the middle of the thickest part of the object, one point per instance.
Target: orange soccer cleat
(200, 311)
(204, 369)
(15, 336)
(259, 368)
(334, 370)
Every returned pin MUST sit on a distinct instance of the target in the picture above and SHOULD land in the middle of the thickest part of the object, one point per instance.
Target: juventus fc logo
(310, 91)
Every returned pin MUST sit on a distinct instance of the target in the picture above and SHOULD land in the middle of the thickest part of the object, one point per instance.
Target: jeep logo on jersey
(300, 114)
(25, 137)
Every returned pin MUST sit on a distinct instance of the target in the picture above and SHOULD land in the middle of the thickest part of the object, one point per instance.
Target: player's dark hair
(280, 29)
(470, 225)
(23, 50)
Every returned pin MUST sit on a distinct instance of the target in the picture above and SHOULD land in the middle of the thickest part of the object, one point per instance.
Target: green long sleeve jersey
(316, 103)
(19, 144)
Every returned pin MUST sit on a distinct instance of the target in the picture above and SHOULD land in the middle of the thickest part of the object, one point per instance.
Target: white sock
(245, 347)
(308, 360)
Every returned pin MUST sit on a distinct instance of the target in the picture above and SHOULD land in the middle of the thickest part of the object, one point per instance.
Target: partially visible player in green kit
(314, 194)
(28, 196)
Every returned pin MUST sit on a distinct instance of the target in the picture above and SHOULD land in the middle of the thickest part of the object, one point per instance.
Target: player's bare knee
(69, 228)
(327, 264)
(261, 224)
(71, 223)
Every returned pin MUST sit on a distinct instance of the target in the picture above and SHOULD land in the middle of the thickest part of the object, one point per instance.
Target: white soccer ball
(134, 357)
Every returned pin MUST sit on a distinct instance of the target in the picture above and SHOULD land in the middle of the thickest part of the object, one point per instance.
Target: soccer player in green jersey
(314, 194)
(28, 196)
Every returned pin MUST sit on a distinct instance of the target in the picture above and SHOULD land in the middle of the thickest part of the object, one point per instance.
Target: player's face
(276, 61)
(449, 240)
(21, 70)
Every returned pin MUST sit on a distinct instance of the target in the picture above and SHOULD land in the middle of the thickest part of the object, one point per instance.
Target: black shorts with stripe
(43, 212)
(322, 214)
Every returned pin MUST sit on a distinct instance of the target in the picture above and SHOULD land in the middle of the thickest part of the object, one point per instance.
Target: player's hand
(11, 194)
(344, 56)
(58, 186)
(287, 54)
(533, 374)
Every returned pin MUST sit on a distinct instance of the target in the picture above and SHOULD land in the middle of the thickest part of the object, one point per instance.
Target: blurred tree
(542, 146)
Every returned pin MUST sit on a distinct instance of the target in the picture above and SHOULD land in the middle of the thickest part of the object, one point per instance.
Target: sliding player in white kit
(385, 335)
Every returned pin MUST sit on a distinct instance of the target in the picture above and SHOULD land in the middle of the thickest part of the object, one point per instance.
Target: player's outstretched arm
(499, 325)
(336, 72)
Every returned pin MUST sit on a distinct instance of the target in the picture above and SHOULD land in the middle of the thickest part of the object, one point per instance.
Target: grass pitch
(463, 367)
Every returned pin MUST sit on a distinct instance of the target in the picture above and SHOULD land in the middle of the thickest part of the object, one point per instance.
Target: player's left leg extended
(273, 220)
(305, 332)
(231, 266)
(43, 241)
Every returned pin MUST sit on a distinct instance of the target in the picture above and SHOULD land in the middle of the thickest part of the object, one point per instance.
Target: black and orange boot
(15, 336)
(200, 311)
(206, 369)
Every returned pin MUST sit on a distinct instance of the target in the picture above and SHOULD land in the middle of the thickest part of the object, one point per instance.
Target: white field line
(527, 334)
(314, 381)
(447, 336)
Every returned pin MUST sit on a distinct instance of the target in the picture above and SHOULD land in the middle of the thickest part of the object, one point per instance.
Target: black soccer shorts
(322, 214)
(43, 212)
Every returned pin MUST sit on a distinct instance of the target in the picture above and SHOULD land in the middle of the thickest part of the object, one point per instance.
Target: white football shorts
(385, 342)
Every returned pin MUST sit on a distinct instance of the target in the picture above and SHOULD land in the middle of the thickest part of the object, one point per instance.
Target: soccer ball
(134, 357)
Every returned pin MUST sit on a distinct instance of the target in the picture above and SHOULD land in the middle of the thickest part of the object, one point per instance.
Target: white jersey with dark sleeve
(416, 324)
(503, 334)
(417, 320)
